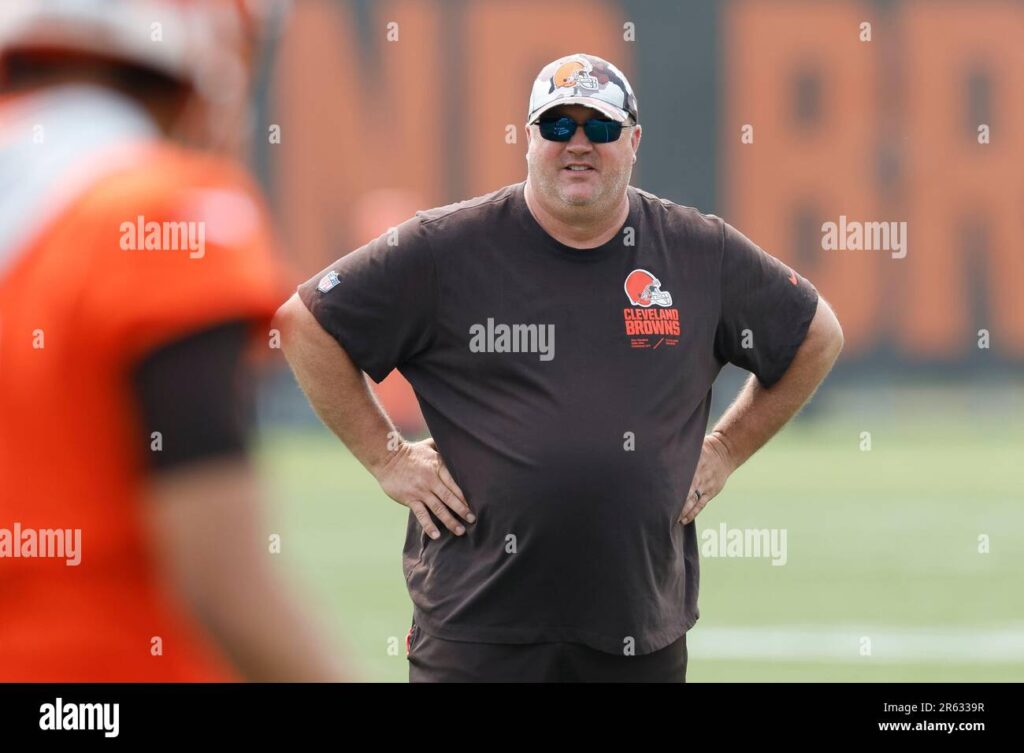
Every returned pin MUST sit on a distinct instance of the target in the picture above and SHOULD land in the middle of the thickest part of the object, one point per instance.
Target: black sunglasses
(597, 130)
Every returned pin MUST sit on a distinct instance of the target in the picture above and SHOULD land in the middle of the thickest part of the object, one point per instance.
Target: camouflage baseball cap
(584, 80)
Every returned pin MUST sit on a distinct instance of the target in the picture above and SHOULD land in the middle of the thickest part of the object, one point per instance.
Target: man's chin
(579, 198)
(578, 201)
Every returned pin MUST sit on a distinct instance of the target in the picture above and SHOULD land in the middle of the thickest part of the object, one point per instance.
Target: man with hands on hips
(549, 535)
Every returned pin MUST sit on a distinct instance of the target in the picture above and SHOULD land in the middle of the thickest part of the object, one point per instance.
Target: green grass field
(883, 547)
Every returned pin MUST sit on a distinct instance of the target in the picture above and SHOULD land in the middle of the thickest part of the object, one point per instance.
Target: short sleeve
(380, 301)
(766, 309)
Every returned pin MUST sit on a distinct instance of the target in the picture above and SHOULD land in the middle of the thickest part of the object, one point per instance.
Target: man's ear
(529, 133)
(636, 141)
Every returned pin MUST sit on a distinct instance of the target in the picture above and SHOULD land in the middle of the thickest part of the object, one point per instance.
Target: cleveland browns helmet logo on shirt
(644, 289)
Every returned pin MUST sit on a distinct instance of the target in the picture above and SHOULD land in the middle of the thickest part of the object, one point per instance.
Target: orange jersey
(131, 244)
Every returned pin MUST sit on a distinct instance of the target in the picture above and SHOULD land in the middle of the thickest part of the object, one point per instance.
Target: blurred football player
(136, 284)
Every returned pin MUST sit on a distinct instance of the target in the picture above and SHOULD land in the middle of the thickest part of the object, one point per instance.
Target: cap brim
(611, 111)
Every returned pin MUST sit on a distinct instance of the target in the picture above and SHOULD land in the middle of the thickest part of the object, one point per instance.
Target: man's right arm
(335, 387)
(412, 474)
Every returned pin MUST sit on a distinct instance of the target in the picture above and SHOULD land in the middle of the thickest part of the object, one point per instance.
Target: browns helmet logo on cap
(574, 73)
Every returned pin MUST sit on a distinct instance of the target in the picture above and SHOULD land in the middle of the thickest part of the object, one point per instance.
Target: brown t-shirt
(568, 391)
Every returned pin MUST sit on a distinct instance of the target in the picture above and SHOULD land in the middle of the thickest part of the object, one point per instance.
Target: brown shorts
(433, 659)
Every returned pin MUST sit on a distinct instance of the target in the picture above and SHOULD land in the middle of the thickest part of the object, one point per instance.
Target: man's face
(597, 188)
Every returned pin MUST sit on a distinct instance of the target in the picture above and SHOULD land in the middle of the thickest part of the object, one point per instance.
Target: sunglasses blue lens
(562, 129)
(557, 129)
(602, 131)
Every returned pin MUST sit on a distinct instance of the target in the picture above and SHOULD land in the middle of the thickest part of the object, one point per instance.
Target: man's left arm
(758, 412)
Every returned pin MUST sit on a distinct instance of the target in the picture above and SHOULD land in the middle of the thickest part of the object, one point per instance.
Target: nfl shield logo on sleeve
(328, 281)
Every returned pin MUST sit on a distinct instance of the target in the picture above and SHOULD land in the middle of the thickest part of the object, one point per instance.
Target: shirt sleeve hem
(770, 377)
